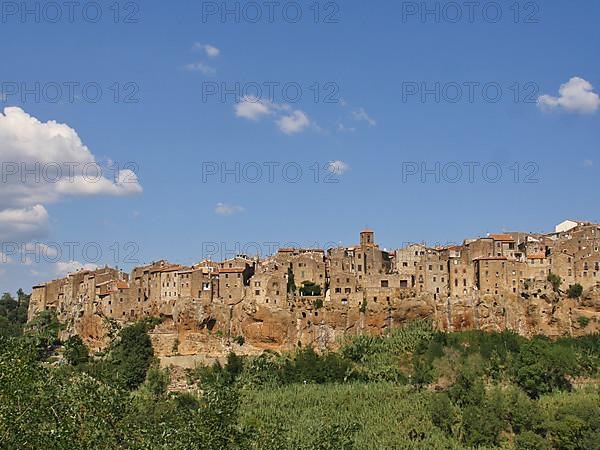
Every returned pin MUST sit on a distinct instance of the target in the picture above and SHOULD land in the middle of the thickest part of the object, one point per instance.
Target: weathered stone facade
(312, 297)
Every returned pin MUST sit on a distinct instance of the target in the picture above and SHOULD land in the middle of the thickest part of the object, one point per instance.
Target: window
(385, 283)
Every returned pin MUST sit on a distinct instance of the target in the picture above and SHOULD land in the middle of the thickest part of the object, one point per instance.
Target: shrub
(75, 351)
(310, 289)
(555, 281)
(575, 291)
(363, 306)
(130, 357)
(542, 367)
(583, 321)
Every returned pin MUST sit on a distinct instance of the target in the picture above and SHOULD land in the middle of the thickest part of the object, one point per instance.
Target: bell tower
(367, 238)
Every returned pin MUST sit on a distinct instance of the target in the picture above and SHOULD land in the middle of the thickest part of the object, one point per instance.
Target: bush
(542, 367)
(130, 357)
(555, 281)
(531, 441)
(583, 321)
(75, 351)
(575, 291)
(310, 289)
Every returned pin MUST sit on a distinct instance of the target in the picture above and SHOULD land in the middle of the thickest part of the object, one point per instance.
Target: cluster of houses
(507, 264)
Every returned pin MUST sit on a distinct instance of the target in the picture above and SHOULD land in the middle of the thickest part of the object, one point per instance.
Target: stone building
(308, 295)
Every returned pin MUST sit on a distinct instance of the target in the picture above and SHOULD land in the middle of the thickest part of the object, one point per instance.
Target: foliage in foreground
(411, 389)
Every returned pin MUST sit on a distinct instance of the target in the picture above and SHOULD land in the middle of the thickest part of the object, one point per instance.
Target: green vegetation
(575, 291)
(555, 281)
(363, 306)
(583, 321)
(13, 313)
(413, 388)
(75, 351)
(310, 289)
(291, 284)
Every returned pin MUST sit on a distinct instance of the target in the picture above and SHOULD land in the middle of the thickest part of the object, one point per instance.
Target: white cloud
(64, 268)
(22, 223)
(338, 167)
(293, 123)
(204, 69)
(210, 50)
(126, 184)
(253, 109)
(361, 115)
(341, 127)
(588, 163)
(576, 96)
(224, 209)
(288, 121)
(43, 162)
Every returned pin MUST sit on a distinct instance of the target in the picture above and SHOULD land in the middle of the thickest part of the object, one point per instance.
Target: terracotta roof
(536, 256)
(122, 285)
(285, 250)
(502, 237)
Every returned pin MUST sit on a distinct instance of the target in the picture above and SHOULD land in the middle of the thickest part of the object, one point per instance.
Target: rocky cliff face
(214, 330)
(193, 328)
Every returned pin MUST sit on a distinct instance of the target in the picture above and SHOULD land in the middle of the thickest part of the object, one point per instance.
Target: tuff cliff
(213, 330)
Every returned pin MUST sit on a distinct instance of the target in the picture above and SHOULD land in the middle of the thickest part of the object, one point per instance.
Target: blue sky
(367, 61)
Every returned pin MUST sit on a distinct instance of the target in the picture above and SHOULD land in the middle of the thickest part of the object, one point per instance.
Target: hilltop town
(315, 297)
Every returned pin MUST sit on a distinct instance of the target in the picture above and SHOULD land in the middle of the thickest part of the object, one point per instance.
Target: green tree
(291, 285)
(310, 289)
(44, 329)
(555, 281)
(542, 367)
(75, 351)
(130, 357)
(575, 290)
